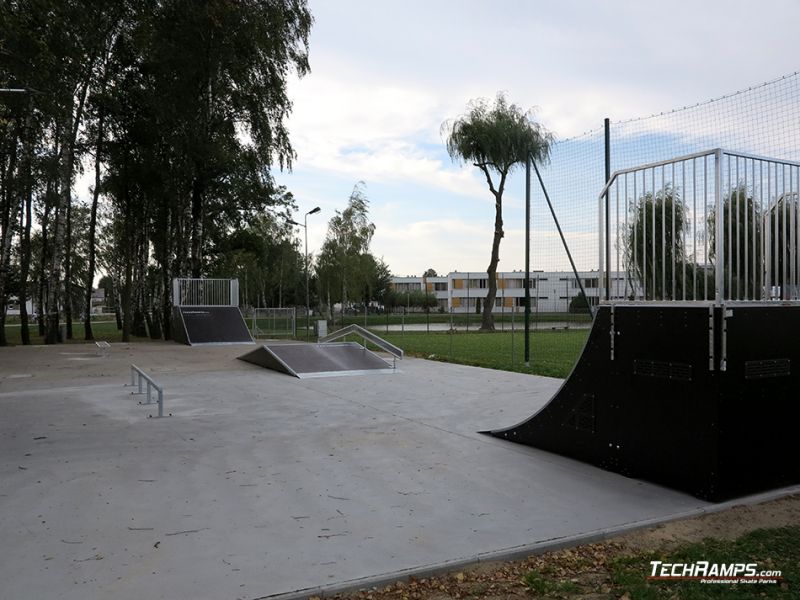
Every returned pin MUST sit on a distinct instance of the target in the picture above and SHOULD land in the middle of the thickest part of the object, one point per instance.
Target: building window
(440, 286)
(407, 287)
(518, 284)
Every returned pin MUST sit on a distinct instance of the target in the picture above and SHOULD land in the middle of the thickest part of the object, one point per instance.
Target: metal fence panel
(716, 226)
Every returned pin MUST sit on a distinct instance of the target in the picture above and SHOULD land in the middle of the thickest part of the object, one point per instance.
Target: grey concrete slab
(263, 484)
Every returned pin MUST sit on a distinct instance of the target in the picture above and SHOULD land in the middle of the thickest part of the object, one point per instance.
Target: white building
(551, 291)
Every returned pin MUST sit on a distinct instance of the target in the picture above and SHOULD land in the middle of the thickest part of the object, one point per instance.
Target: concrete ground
(261, 484)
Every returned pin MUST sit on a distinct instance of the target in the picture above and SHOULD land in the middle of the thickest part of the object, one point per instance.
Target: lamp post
(304, 225)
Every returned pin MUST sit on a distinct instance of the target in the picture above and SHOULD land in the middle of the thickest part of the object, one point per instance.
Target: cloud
(455, 244)
(385, 76)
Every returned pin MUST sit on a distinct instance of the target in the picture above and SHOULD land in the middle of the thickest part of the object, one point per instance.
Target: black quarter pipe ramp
(700, 398)
(195, 325)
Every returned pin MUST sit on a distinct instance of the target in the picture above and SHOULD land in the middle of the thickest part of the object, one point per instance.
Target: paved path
(263, 484)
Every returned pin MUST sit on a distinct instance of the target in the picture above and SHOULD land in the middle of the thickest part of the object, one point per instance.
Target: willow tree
(496, 138)
(654, 246)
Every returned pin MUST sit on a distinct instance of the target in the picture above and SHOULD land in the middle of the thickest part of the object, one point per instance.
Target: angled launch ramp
(699, 398)
(196, 325)
(318, 360)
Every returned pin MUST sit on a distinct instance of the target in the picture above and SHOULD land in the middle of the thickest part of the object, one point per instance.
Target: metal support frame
(137, 377)
(612, 332)
(367, 336)
(710, 338)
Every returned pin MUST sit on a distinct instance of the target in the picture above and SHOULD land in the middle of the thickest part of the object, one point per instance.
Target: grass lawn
(102, 330)
(553, 353)
(770, 549)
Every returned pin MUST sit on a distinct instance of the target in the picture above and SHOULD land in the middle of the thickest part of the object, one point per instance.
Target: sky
(386, 75)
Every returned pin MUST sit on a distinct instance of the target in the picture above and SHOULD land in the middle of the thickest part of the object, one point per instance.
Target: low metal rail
(137, 377)
(367, 336)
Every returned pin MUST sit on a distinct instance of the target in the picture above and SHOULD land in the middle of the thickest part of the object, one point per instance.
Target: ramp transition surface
(699, 398)
(317, 360)
(210, 325)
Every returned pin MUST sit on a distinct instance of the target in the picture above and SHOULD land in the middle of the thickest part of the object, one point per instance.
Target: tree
(179, 105)
(742, 214)
(496, 138)
(579, 304)
(654, 244)
(430, 273)
(779, 237)
(342, 270)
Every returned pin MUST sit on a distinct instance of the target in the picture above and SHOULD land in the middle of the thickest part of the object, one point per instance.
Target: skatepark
(285, 470)
(261, 484)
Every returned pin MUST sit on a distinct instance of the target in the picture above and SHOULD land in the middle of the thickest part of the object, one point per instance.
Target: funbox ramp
(317, 360)
(699, 398)
(195, 325)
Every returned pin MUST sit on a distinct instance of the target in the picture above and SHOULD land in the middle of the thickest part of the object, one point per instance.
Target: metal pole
(563, 240)
(719, 241)
(607, 136)
(527, 282)
(313, 211)
(308, 295)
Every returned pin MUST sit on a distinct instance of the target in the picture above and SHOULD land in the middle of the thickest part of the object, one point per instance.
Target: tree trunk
(115, 288)
(43, 259)
(8, 216)
(68, 261)
(197, 227)
(129, 245)
(62, 197)
(87, 314)
(127, 312)
(487, 319)
(25, 239)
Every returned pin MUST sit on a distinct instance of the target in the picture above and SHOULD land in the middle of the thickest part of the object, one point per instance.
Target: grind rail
(367, 336)
(137, 377)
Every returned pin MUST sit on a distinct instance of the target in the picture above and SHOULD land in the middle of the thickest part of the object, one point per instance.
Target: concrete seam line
(519, 552)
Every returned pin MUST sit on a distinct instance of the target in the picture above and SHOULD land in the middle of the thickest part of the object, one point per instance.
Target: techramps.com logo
(703, 571)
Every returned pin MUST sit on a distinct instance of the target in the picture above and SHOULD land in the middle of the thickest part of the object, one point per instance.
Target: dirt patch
(727, 525)
(584, 572)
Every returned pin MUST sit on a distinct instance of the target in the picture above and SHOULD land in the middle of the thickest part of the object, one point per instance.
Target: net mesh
(762, 120)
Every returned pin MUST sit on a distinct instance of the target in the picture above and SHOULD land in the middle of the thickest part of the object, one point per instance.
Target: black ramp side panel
(664, 410)
(314, 360)
(214, 325)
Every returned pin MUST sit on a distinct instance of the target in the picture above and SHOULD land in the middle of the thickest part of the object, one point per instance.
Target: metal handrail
(367, 335)
(136, 371)
(725, 192)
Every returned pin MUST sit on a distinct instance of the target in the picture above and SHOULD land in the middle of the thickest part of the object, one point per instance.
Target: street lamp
(304, 225)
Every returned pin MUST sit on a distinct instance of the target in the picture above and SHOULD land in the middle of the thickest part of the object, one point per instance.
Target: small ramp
(318, 360)
(196, 325)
